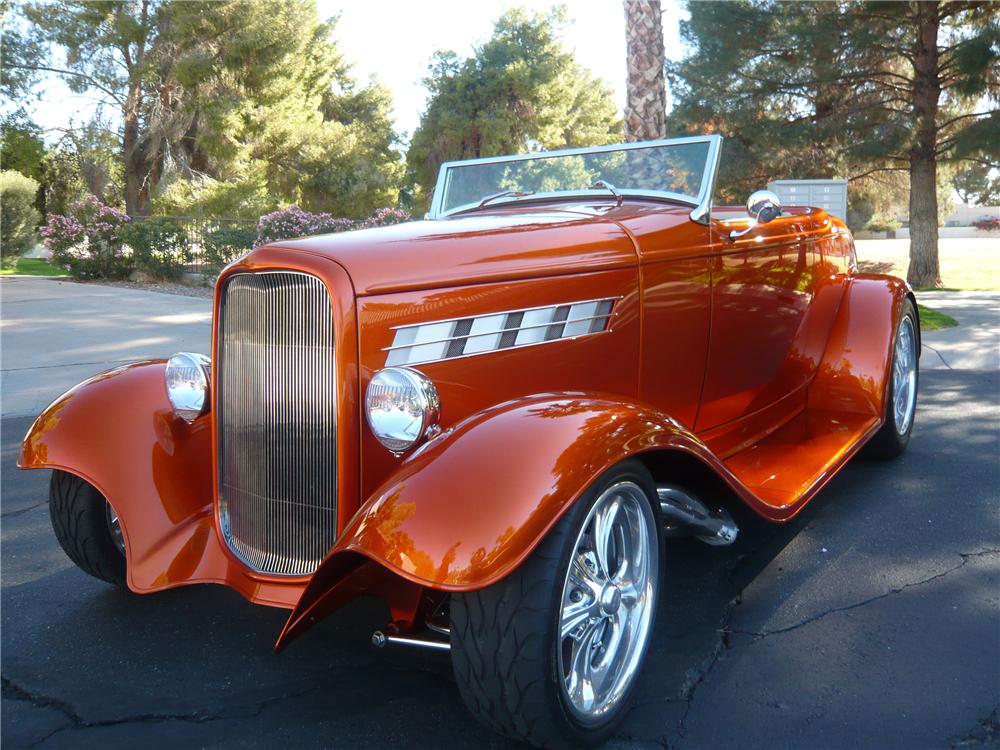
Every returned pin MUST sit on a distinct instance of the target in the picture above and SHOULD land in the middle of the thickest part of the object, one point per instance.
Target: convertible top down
(493, 418)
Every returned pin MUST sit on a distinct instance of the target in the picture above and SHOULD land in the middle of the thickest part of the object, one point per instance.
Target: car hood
(474, 249)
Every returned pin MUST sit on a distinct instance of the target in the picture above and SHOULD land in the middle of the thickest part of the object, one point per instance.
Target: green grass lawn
(33, 267)
(967, 263)
(932, 320)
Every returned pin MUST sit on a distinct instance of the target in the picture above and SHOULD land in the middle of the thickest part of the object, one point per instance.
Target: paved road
(57, 333)
(872, 620)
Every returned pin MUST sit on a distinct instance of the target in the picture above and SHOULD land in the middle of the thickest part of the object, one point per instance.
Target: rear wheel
(87, 527)
(901, 396)
(550, 654)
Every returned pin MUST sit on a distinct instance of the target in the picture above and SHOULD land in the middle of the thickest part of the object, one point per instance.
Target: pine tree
(845, 89)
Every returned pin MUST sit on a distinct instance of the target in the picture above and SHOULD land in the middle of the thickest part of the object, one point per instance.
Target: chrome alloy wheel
(114, 527)
(904, 376)
(608, 601)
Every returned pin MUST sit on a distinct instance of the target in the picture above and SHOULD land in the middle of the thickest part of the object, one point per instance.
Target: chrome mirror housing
(763, 206)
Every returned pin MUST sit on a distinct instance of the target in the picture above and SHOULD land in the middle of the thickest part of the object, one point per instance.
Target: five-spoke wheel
(550, 654)
(607, 601)
(901, 389)
(904, 375)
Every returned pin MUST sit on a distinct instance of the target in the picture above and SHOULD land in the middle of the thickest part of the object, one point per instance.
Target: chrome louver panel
(462, 337)
(277, 421)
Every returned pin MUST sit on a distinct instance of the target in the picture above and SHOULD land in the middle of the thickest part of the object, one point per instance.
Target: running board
(686, 515)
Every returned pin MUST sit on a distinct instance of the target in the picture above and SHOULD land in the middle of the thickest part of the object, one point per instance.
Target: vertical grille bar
(277, 421)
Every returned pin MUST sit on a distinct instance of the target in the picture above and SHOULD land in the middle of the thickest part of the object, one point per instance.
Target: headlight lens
(402, 407)
(187, 384)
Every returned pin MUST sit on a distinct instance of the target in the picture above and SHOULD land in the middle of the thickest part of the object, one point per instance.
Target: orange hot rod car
(493, 418)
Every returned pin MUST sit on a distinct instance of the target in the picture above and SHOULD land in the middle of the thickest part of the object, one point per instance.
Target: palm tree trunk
(646, 97)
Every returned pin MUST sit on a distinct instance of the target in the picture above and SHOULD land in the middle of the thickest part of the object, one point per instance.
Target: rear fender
(854, 373)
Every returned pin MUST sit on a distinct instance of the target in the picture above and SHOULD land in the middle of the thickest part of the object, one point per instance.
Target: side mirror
(763, 206)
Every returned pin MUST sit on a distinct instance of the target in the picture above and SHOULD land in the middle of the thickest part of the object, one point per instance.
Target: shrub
(987, 225)
(98, 260)
(860, 209)
(88, 242)
(384, 217)
(60, 233)
(294, 222)
(883, 224)
(160, 246)
(18, 215)
(226, 244)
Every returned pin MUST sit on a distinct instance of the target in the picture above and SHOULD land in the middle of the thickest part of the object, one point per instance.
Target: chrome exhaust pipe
(686, 515)
(381, 640)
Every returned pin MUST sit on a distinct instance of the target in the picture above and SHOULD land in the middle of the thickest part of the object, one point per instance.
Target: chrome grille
(277, 421)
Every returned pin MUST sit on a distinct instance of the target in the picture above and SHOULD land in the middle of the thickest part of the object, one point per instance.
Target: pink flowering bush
(294, 222)
(88, 242)
(384, 217)
(60, 233)
(987, 225)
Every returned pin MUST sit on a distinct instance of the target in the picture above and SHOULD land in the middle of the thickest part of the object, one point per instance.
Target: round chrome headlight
(402, 407)
(187, 384)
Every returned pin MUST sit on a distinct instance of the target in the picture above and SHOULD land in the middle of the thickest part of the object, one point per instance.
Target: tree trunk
(134, 157)
(646, 95)
(924, 270)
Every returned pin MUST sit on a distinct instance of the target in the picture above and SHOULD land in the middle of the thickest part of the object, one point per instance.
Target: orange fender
(853, 376)
(469, 506)
(118, 432)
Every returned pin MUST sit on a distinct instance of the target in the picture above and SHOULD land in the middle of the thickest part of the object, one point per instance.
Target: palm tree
(646, 97)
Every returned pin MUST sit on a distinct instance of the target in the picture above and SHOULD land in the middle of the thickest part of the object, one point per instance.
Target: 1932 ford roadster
(494, 417)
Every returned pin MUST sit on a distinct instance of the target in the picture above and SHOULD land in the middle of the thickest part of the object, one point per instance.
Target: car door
(675, 272)
(764, 345)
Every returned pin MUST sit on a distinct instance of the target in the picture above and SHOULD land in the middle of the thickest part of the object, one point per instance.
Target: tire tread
(77, 511)
(501, 648)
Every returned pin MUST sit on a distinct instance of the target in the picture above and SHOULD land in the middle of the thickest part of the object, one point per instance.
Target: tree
(846, 88)
(21, 146)
(978, 183)
(646, 93)
(231, 91)
(520, 91)
(20, 54)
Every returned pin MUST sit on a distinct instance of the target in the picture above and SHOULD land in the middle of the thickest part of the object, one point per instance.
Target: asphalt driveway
(872, 620)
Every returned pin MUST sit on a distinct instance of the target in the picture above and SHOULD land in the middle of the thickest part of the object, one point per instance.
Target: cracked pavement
(871, 620)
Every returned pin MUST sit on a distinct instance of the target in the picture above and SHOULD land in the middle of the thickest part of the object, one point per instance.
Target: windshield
(678, 169)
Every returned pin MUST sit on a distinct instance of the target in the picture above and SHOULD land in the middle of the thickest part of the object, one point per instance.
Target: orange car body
(763, 360)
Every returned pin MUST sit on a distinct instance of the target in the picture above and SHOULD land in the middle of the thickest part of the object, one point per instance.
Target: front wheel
(87, 527)
(550, 655)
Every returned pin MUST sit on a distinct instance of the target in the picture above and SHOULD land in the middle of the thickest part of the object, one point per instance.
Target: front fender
(118, 432)
(469, 506)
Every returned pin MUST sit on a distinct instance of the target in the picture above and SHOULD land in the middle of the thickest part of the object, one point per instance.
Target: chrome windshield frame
(701, 204)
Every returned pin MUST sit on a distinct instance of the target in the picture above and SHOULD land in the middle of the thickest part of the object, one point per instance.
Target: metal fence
(200, 228)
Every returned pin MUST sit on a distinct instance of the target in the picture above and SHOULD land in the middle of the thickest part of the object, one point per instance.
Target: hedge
(18, 215)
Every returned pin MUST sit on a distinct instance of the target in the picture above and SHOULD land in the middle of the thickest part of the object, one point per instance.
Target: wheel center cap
(611, 599)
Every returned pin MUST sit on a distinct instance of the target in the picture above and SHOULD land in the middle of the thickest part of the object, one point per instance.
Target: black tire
(80, 520)
(503, 638)
(890, 442)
